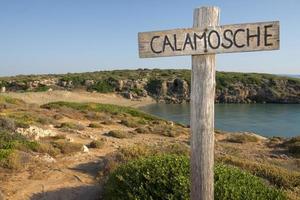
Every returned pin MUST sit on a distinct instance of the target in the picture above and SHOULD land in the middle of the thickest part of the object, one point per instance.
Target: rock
(256, 135)
(128, 95)
(85, 149)
(3, 89)
(34, 132)
(47, 158)
(283, 156)
(70, 139)
(170, 123)
(89, 83)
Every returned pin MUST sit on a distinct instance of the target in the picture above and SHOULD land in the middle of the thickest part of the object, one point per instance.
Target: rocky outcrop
(278, 91)
(168, 86)
(35, 133)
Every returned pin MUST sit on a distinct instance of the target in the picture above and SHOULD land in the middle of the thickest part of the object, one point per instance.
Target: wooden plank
(260, 36)
(202, 112)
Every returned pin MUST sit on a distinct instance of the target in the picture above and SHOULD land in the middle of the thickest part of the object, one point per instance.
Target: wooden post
(203, 41)
(202, 112)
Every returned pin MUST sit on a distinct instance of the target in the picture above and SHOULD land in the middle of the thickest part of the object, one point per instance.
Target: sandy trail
(77, 96)
(72, 177)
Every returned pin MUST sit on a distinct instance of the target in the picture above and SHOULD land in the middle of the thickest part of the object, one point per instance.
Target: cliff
(169, 86)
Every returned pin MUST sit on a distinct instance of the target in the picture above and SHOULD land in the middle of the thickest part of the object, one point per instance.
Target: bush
(95, 125)
(102, 86)
(129, 123)
(167, 177)
(119, 134)
(7, 124)
(96, 144)
(71, 126)
(12, 160)
(275, 175)
(67, 147)
(242, 138)
(293, 145)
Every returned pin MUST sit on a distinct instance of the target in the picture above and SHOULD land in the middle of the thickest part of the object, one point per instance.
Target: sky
(60, 36)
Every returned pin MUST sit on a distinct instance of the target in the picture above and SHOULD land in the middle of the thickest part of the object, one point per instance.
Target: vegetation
(102, 86)
(223, 79)
(275, 175)
(66, 147)
(71, 126)
(119, 134)
(129, 153)
(242, 138)
(95, 125)
(293, 146)
(167, 177)
(106, 108)
(97, 144)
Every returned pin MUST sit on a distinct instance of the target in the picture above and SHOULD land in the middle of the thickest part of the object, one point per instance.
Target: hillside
(64, 150)
(170, 86)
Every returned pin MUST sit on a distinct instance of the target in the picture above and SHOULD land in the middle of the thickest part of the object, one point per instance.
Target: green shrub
(168, 177)
(42, 88)
(125, 154)
(102, 86)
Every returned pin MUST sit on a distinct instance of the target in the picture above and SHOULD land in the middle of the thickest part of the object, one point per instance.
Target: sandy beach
(41, 98)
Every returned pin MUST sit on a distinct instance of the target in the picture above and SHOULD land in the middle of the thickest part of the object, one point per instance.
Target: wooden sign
(220, 39)
(203, 41)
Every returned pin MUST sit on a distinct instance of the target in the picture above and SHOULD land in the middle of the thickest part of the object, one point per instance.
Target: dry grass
(66, 147)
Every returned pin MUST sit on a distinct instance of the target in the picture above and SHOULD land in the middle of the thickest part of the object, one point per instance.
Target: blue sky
(59, 36)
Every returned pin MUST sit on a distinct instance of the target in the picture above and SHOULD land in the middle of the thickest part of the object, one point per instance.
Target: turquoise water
(264, 119)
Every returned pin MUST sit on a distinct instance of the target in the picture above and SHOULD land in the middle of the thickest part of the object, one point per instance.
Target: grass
(275, 175)
(106, 108)
(10, 100)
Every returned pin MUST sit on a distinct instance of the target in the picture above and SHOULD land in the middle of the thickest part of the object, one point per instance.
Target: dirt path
(70, 178)
(77, 96)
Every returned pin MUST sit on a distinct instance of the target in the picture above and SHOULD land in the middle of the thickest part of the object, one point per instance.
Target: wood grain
(271, 42)
(202, 113)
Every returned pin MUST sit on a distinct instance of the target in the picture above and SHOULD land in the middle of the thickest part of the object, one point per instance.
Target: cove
(264, 119)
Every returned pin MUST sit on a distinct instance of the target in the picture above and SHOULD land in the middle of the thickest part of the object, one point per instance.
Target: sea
(264, 119)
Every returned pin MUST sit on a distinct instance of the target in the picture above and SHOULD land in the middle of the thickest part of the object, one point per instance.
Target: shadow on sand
(89, 192)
